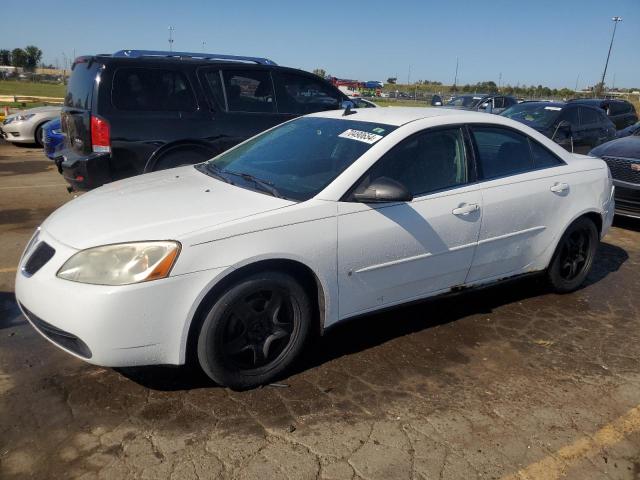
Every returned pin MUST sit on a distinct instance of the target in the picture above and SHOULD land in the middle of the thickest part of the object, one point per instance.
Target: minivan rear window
(80, 88)
(151, 89)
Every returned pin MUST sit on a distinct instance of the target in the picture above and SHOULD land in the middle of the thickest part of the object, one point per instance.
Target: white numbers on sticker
(361, 136)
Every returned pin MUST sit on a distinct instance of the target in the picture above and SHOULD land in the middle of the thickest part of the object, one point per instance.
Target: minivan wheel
(255, 330)
(574, 256)
(179, 157)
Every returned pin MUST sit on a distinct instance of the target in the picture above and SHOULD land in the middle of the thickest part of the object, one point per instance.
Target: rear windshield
(80, 88)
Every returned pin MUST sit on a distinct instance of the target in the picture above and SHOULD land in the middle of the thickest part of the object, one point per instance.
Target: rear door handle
(466, 209)
(559, 187)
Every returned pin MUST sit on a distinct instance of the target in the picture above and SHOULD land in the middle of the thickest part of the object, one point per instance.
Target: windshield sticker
(553, 108)
(378, 130)
(361, 136)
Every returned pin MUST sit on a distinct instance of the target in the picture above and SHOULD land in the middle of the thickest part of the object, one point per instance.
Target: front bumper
(18, 132)
(131, 325)
(627, 199)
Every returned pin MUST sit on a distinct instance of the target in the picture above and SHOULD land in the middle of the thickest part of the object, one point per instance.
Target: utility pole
(203, 45)
(615, 20)
(409, 76)
(171, 29)
(499, 81)
(455, 79)
(577, 79)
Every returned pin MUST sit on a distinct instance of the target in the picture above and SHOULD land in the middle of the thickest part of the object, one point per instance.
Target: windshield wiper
(263, 184)
(216, 172)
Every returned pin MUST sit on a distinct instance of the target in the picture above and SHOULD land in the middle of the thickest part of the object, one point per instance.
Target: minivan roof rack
(195, 55)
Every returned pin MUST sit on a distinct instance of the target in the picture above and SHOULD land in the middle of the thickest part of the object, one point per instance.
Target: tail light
(100, 135)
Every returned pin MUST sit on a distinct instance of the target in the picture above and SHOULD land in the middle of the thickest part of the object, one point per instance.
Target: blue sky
(529, 42)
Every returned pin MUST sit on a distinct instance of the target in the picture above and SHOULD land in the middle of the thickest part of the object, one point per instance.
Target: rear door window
(570, 115)
(150, 89)
(502, 151)
(299, 94)
(589, 116)
(249, 91)
(542, 157)
(212, 81)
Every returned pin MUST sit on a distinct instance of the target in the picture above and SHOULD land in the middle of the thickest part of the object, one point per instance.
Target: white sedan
(236, 262)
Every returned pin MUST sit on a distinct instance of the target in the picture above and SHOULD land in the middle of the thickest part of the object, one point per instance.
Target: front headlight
(121, 264)
(22, 118)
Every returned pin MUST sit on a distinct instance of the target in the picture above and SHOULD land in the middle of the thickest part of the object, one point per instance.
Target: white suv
(239, 260)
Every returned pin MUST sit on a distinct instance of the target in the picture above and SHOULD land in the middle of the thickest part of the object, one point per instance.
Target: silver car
(26, 125)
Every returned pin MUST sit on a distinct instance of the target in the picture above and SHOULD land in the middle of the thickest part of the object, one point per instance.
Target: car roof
(396, 116)
(544, 103)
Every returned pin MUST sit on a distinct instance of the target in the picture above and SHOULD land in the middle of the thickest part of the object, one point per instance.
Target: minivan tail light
(100, 135)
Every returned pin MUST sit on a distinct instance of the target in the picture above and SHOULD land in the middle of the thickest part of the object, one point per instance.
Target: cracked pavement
(508, 382)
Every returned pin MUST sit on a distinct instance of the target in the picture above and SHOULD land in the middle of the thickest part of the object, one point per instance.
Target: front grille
(621, 169)
(41, 255)
(57, 336)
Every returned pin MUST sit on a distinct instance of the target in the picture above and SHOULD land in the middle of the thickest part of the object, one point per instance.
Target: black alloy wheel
(574, 256)
(254, 330)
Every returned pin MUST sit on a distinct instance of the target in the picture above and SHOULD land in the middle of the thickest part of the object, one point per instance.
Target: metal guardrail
(31, 99)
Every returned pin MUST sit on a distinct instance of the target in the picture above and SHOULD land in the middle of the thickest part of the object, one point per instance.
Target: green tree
(18, 57)
(5, 57)
(33, 56)
(320, 72)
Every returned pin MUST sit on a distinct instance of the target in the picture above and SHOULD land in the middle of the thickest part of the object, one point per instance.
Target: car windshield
(297, 159)
(540, 115)
(465, 101)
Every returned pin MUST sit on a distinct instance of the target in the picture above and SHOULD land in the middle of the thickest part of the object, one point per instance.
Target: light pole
(171, 29)
(604, 74)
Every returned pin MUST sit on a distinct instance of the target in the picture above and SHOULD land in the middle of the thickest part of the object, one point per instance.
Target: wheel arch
(177, 145)
(307, 277)
(592, 214)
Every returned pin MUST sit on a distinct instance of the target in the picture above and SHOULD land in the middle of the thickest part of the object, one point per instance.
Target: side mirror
(347, 103)
(487, 107)
(384, 189)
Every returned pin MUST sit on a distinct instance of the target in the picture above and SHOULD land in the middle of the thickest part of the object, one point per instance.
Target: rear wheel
(255, 330)
(182, 156)
(574, 256)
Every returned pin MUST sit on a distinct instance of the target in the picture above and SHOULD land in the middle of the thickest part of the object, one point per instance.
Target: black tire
(574, 256)
(182, 156)
(248, 338)
(38, 136)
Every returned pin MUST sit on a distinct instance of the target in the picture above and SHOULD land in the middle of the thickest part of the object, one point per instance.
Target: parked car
(482, 102)
(157, 110)
(576, 127)
(623, 157)
(630, 130)
(620, 112)
(359, 102)
(26, 126)
(52, 138)
(237, 261)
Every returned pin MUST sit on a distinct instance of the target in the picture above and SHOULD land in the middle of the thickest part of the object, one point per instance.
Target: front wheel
(255, 330)
(574, 256)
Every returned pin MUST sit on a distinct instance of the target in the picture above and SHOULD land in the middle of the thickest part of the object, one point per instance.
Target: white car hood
(157, 206)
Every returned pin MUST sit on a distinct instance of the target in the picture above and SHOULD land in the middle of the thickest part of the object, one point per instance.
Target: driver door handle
(559, 187)
(466, 209)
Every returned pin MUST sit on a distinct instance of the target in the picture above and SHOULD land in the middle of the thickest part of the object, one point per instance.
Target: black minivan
(138, 111)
